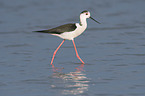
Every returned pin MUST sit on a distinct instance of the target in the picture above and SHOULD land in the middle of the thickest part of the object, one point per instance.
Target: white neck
(83, 21)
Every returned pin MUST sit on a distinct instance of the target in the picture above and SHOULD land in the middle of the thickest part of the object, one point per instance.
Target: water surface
(113, 51)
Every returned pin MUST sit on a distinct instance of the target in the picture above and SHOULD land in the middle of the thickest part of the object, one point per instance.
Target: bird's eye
(86, 13)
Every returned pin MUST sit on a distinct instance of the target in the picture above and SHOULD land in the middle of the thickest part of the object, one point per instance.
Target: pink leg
(77, 52)
(55, 52)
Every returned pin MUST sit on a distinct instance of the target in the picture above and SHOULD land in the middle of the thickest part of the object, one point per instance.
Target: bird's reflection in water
(71, 83)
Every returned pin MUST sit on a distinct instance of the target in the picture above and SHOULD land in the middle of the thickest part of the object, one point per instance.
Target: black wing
(60, 29)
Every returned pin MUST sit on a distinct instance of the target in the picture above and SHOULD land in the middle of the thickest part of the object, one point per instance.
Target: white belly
(71, 35)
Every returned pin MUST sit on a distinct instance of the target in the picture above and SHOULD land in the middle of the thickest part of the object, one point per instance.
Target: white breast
(71, 35)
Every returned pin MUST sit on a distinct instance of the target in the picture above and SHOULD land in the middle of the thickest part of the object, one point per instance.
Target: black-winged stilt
(70, 31)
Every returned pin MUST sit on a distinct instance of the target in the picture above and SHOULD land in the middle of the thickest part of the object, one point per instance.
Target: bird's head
(86, 14)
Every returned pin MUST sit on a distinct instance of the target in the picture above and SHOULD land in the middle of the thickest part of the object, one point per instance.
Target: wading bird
(70, 31)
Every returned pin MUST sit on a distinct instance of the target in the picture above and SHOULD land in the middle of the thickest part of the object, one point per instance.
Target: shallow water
(113, 51)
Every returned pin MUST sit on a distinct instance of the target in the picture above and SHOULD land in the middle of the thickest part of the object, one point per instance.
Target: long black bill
(95, 20)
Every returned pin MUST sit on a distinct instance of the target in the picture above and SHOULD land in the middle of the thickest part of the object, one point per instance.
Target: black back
(60, 29)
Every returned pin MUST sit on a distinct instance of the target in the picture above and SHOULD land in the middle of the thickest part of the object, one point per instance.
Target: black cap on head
(84, 11)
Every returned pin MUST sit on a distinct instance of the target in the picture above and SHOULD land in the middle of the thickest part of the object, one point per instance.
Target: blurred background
(113, 51)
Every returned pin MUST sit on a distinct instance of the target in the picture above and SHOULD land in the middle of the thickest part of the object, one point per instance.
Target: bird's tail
(42, 31)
